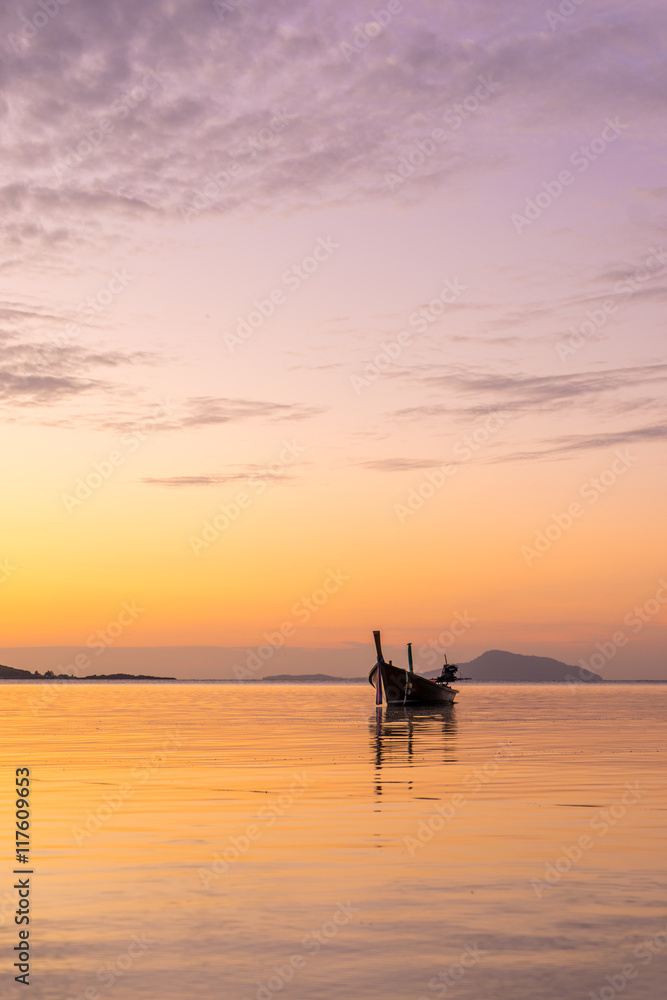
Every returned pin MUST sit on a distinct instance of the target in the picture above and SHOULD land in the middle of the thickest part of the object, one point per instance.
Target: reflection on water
(412, 736)
(253, 842)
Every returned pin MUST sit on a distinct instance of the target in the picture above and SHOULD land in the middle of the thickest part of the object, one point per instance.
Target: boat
(405, 687)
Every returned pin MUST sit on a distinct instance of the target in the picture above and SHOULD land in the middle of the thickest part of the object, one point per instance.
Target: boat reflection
(411, 737)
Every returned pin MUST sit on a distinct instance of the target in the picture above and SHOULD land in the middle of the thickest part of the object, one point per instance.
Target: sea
(248, 842)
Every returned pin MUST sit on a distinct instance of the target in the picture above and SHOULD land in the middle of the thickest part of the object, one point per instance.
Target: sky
(324, 317)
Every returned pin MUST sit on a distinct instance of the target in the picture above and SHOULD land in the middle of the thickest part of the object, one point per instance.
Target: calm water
(253, 842)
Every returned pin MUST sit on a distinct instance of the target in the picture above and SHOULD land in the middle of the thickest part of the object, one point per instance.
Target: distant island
(311, 679)
(498, 665)
(14, 674)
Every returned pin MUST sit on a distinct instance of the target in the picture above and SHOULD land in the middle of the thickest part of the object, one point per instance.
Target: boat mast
(378, 686)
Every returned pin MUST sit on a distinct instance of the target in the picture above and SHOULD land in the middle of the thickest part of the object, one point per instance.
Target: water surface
(252, 842)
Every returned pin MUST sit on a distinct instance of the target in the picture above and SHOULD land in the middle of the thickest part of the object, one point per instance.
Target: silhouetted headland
(15, 674)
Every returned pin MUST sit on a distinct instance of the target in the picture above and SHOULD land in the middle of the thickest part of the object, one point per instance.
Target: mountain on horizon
(501, 665)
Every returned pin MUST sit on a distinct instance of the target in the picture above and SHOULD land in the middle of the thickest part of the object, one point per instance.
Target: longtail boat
(405, 687)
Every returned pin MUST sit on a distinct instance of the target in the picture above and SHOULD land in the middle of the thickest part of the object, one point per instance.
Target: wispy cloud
(565, 446)
(247, 473)
(38, 373)
(399, 464)
(193, 413)
(201, 411)
(475, 393)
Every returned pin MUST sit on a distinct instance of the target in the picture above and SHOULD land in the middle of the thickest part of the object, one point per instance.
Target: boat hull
(401, 687)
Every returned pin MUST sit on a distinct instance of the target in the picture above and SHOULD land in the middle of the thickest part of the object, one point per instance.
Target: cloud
(35, 372)
(476, 394)
(129, 111)
(657, 193)
(400, 464)
(193, 413)
(551, 449)
(565, 446)
(201, 411)
(247, 473)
